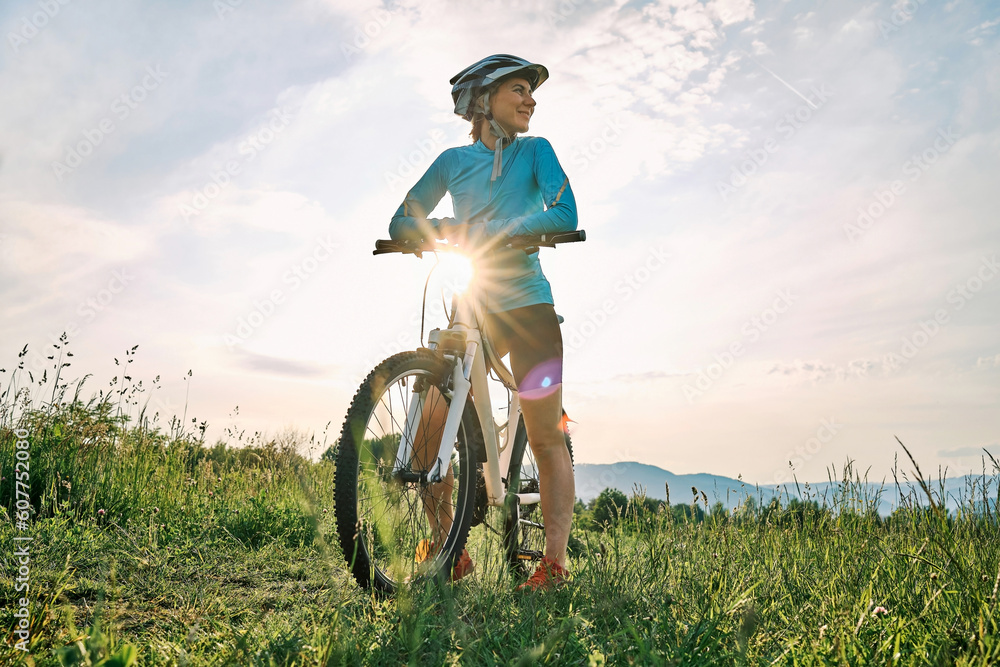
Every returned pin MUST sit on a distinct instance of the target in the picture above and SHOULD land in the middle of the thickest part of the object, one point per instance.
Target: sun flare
(456, 270)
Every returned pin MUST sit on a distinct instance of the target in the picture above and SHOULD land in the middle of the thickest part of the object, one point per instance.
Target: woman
(503, 185)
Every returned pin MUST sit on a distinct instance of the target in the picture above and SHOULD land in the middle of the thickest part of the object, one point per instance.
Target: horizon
(942, 474)
(792, 242)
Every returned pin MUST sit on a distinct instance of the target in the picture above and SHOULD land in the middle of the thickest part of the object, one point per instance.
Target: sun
(455, 270)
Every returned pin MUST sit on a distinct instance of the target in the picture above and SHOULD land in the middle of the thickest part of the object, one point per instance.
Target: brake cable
(423, 304)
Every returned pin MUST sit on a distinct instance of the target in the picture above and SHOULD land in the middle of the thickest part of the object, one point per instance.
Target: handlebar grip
(386, 246)
(390, 245)
(567, 237)
(546, 240)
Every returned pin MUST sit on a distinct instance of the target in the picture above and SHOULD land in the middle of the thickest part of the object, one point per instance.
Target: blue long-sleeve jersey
(531, 196)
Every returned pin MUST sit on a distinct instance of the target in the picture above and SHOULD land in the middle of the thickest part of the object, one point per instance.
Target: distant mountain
(627, 476)
(630, 476)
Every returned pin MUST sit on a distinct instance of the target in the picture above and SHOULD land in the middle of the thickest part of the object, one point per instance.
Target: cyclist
(502, 185)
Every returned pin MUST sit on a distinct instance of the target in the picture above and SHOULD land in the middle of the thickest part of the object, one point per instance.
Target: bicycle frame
(469, 371)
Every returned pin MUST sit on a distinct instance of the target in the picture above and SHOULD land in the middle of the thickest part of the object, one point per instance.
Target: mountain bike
(420, 459)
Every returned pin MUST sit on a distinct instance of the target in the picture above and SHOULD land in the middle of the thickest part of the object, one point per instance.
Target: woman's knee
(543, 421)
(546, 439)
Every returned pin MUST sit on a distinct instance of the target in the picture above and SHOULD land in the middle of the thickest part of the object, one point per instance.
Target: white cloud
(988, 362)
(732, 11)
(817, 370)
(52, 246)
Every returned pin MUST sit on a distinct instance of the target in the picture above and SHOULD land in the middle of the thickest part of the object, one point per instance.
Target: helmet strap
(501, 137)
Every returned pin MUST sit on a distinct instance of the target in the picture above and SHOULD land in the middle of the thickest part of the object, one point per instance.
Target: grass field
(152, 548)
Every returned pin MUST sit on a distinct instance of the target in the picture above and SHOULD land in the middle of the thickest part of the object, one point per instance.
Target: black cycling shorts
(531, 335)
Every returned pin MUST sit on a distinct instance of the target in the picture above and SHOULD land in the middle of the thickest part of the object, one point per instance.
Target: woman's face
(512, 105)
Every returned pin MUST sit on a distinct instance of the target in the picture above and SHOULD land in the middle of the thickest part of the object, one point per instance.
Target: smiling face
(512, 105)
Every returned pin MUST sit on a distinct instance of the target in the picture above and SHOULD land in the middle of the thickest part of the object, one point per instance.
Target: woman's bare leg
(543, 421)
(437, 498)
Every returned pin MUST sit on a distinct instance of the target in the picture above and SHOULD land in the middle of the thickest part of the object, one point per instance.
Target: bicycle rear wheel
(388, 521)
(524, 532)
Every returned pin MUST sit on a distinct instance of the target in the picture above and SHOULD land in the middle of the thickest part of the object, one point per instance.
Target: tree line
(613, 507)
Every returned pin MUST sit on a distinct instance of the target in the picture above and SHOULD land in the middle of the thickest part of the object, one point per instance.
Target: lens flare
(455, 270)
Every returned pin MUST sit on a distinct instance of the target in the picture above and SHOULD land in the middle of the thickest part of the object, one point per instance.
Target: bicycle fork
(469, 373)
(464, 377)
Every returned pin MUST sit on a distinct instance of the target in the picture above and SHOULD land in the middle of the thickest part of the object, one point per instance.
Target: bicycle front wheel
(394, 526)
(524, 531)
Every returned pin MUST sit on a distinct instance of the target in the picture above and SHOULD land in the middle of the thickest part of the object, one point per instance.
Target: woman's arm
(411, 222)
(560, 204)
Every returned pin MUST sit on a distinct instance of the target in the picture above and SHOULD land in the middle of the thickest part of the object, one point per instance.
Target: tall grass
(105, 459)
(167, 550)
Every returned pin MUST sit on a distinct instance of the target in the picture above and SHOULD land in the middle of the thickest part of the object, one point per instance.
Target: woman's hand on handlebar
(464, 235)
(452, 230)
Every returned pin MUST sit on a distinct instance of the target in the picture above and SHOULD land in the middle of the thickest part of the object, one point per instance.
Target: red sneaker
(548, 575)
(463, 564)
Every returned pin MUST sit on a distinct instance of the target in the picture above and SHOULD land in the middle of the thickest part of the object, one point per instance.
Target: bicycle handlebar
(527, 243)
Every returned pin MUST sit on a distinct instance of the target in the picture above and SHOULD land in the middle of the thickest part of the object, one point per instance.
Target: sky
(792, 253)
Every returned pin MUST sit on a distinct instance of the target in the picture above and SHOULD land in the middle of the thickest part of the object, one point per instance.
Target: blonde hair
(477, 126)
(478, 116)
